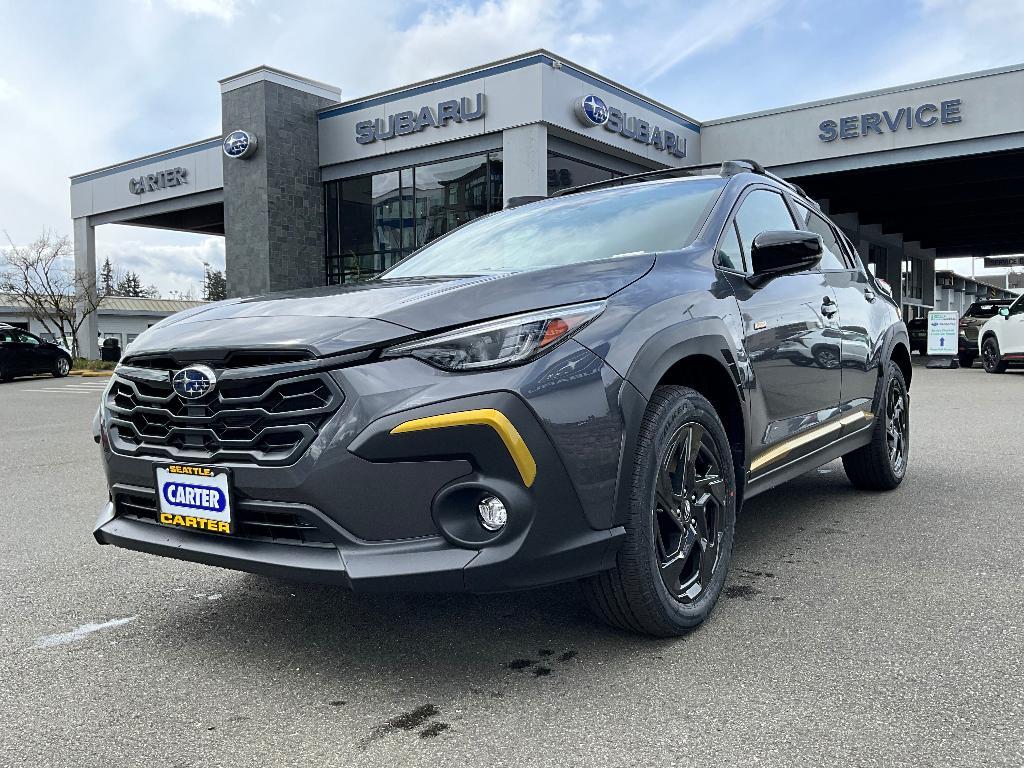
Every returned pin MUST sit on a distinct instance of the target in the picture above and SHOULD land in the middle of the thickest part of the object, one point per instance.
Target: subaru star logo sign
(194, 382)
(239, 144)
(591, 110)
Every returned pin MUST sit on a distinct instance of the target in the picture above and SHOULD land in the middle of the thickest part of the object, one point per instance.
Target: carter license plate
(194, 497)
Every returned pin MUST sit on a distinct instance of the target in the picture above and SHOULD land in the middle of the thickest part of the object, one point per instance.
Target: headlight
(498, 343)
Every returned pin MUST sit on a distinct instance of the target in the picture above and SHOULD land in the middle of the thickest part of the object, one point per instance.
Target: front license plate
(198, 498)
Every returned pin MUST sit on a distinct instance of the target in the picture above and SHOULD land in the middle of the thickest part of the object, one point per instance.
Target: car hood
(339, 319)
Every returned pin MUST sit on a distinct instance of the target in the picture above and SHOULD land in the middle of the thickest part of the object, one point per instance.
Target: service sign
(942, 332)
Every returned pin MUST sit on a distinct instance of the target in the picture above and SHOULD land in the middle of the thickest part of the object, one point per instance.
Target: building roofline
(280, 76)
(868, 94)
(184, 149)
(538, 53)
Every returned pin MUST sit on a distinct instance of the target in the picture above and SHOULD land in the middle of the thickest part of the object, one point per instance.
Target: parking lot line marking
(79, 633)
(66, 390)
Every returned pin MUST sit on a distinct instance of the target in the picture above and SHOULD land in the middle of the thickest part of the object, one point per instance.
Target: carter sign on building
(172, 177)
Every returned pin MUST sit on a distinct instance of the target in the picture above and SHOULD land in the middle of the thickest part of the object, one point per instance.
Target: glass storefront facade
(375, 221)
(565, 172)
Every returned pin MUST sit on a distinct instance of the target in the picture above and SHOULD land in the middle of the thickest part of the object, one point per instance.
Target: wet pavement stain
(542, 671)
(407, 721)
(567, 656)
(434, 729)
(545, 652)
(743, 591)
(338, 703)
(518, 665)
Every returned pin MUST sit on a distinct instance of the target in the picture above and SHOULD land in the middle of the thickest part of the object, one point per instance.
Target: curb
(90, 374)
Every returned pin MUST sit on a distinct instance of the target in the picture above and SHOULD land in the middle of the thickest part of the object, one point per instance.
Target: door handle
(869, 294)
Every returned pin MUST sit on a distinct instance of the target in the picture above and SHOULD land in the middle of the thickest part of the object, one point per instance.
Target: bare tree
(42, 275)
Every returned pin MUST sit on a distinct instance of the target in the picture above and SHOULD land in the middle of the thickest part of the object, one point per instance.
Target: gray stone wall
(273, 200)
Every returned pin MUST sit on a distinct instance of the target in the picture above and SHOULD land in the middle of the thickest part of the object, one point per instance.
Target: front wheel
(673, 563)
(62, 368)
(881, 464)
(966, 361)
(991, 357)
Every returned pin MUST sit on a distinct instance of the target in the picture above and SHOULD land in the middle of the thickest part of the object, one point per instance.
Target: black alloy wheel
(688, 509)
(990, 356)
(897, 425)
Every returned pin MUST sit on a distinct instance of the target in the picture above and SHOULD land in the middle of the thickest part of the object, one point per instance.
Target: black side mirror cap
(783, 252)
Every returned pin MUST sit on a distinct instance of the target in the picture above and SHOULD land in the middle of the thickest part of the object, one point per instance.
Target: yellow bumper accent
(488, 417)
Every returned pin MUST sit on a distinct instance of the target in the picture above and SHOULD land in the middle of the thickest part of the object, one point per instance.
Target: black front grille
(240, 358)
(260, 419)
(252, 522)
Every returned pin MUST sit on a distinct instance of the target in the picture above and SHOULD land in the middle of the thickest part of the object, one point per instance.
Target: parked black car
(24, 354)
(585, 387)
(917, 327)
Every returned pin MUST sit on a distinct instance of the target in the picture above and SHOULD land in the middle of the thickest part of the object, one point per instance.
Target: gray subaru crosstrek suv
(580, 388)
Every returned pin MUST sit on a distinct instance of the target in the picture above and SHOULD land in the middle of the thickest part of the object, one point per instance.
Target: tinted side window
(729, 254)
(25, 338)
(832, 251)
(6, 336)
(1017, 308)
(761, 211)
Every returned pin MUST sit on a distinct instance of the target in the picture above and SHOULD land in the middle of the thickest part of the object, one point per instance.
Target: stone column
(273, 200)
(85, 264)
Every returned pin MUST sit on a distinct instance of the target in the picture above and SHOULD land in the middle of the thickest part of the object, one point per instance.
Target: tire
(5, 375)
(966, 361)
(991, 357)
(693, 542)
(878, 466)
(61, 368)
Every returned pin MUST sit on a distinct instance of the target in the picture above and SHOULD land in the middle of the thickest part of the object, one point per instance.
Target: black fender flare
(706, 337)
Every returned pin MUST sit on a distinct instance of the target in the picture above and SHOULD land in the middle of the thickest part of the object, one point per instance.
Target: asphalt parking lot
(855, 630)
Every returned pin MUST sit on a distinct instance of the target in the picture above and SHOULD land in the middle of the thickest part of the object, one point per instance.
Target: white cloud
(224, 10)
(711, 26)
(7, 90)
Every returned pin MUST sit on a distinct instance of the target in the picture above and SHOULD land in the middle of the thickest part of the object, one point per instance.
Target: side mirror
(1004, 311)
(783, 252)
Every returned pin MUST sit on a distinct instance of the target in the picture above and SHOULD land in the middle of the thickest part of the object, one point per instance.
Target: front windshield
(985, 310)
(620, 221)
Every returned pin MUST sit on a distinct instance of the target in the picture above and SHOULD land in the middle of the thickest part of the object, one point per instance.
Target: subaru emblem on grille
(194, 382)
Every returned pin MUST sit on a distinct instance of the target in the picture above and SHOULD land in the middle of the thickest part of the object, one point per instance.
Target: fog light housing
(492, 512)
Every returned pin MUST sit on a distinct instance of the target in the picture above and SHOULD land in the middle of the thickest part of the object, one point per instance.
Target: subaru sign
(592, 111)
(405, 123)
(239, 144)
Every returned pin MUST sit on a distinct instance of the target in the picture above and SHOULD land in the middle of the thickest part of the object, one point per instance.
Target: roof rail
(726, 169)
(636, 178)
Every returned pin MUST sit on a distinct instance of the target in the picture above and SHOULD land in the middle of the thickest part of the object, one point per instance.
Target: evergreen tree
(107, 280)
(215, 285)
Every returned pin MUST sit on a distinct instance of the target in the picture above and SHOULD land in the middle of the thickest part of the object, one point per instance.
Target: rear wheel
(991, 357)
(5, 373)
(673, 563)
(966, 361)
(881, 464)
(61, 369)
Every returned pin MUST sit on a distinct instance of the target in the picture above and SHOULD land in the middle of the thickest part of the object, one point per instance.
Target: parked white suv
(1002, 338)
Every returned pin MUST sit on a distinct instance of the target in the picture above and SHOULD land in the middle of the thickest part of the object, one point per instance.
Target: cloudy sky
(87, 84)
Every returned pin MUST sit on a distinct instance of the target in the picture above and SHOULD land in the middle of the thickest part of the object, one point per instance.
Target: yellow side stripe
(784, 448)
(488, 417)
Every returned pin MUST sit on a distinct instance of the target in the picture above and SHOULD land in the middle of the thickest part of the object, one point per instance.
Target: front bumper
(372, 507)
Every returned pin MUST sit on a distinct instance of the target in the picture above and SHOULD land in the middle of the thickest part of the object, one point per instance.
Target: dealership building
(309, 189)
